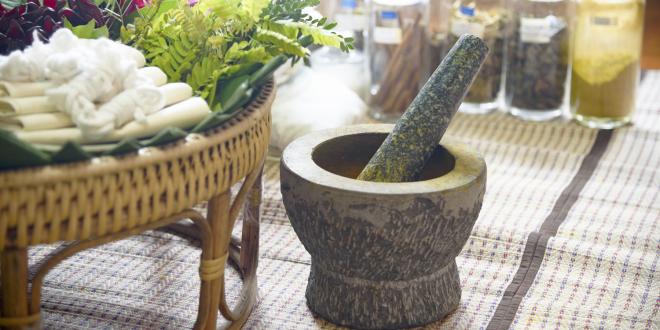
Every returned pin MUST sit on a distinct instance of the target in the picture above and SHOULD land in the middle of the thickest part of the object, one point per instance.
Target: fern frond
(320, 35)
(280, 41)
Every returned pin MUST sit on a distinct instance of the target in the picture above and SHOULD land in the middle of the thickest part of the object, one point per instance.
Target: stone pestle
(405, 151)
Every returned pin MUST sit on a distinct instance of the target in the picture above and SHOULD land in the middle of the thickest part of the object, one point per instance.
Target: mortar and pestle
(384, 211)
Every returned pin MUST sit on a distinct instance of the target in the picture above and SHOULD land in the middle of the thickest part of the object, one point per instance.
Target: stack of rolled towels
(89, 91)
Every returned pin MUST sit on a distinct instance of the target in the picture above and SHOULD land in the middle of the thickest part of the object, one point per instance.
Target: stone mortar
(383, 254)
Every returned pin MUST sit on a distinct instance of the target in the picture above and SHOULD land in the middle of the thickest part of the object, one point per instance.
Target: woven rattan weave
(110, 198)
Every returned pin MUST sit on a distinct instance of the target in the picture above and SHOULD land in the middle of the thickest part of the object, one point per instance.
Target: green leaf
(231, 92)
(125, 146)
(11, 4)
(320, 35)
(254, 8)
(71, 152)
(214, 119)
(22, 153)
(290, 31)
(167, 135)
(280, 41)
(157, 9)
(87, 31)
(261, 76)
(223, 9)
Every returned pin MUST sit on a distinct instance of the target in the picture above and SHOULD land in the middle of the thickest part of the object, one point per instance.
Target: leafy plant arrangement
(19, 19)
(225, 48)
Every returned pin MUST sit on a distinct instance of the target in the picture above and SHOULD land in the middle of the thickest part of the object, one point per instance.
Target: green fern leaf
(254, 8)
(280, 41)
(319, 35)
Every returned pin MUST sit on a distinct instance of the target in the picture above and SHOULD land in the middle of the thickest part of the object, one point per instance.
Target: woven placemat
(567, 238)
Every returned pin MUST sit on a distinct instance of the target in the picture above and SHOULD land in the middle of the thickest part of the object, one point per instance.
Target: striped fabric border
(537, 241)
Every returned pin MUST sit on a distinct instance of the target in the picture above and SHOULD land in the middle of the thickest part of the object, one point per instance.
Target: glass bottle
(347, 67)
(484, 19)
(537, 59)
(606, 54)
(395, 46)
(437, 32)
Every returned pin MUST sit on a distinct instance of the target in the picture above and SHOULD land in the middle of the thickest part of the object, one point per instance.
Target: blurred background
(550, 60)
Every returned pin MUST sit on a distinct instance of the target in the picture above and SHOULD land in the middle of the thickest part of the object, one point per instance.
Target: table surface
(568, 237)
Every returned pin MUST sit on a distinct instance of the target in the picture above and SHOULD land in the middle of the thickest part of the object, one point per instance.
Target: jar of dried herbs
(484, 19)
(537, 59)
(606, 54)
(395, 56)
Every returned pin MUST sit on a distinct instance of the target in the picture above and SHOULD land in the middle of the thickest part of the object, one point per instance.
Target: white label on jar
(459, 28)
(351, 22)
(604, 21)
(387, 35)
(539, 30)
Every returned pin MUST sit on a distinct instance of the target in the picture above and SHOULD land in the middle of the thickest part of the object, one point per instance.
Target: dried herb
(536, 74)
(486, 85)
(606, 93)
(488, 24)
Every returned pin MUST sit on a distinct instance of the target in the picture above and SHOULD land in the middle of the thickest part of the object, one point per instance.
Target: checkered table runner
(568, 237)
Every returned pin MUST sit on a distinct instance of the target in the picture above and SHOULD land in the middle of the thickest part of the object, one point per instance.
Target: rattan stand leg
(14, 268)
(213, 261)
(243, 253)
(249, 253)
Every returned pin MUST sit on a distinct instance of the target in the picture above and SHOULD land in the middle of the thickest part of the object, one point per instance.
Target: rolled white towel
(27, 65)
(32, 64)
(25, 89)
(19, 68)
(126, 51)
(60, 68)
(36, 122)
(10, 106)
(181, 115)
(39, 88)
(16, 106)
(176, 92)
(133, 104)
(155, 74)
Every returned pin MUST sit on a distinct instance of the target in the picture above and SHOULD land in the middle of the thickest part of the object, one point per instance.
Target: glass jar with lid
(537, 59)
(606, 61)
(485, 19)
(395, 47)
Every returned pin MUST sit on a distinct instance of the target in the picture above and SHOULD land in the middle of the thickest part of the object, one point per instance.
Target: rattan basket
(109, 198)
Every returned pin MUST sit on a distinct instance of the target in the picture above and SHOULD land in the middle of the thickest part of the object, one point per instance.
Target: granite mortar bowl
(383, 254)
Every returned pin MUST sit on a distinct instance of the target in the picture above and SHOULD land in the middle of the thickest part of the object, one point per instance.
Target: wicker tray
(110, 198)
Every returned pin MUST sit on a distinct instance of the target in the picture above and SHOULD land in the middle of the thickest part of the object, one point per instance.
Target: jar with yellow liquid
(606, 54)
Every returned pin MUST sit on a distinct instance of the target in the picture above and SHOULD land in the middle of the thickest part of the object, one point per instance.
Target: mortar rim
(298, 159)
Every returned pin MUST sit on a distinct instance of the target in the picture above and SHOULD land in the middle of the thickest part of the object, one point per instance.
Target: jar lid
(397, 3)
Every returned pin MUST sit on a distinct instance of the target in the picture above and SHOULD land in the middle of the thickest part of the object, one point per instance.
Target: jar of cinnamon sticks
(396, 38)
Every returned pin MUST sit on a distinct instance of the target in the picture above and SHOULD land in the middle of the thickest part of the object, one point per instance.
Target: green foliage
(87, 31)
(215, 42)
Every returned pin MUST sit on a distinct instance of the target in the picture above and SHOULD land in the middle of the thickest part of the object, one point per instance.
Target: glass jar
(395, 46)
(351, 18)
(349, 68)
(537, 59)
(437, 32)
(606, 54)
(484, 19)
